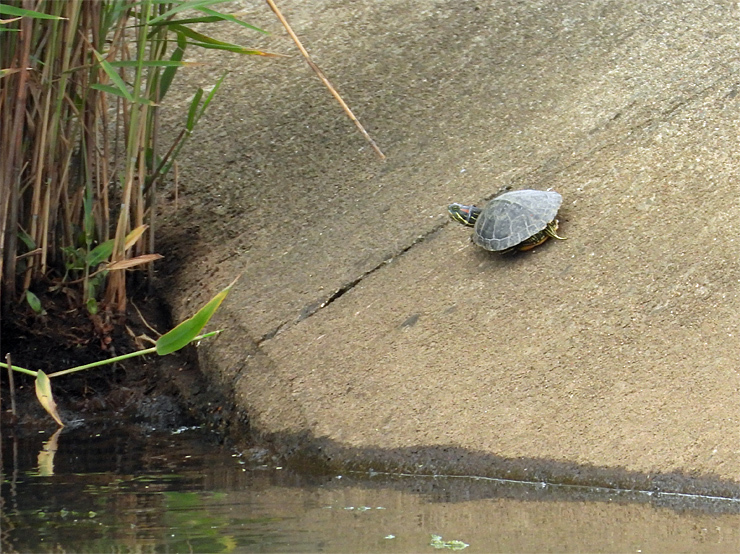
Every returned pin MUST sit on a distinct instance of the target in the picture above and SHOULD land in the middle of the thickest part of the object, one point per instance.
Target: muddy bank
(146, 393)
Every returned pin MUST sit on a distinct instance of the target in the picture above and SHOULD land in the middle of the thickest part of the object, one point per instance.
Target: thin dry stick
(177, 182)
(152, 195)
(323, 78)
(11, 383)
(138, 311)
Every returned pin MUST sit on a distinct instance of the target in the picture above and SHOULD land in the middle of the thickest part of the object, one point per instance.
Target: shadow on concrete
(450, 474)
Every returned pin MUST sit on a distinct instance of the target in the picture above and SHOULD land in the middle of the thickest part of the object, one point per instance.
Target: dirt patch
(161, 393)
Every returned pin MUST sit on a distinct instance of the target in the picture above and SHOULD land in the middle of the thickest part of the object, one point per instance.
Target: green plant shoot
(190, 328)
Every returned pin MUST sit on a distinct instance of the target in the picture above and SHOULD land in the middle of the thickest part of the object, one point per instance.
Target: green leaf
(210, 96)
(35, 303)
(20, 12)
(151, 63)
(27, 240)
(120, 85)
(110, 90)
(113, 90)
(205, 41)
(192, 120)
(229, 17)
(193, 110)
(194, 114)
(100, 253)
(195, 35)
(169, 74)
(190, 328)
(104, 251)
(235, 48)
(43, 393)
(181, 7)
(211, 17)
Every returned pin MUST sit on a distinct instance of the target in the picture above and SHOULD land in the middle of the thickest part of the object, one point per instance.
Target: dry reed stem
(9, 189)
(73, 174)
(324, 80)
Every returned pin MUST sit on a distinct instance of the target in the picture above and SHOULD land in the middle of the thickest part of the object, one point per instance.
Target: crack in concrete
(314, 307)
(643, 123)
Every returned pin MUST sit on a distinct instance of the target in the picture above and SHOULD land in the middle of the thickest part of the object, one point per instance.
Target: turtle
(516, 220)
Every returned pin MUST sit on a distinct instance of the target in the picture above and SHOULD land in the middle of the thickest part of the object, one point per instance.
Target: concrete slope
(365, 321)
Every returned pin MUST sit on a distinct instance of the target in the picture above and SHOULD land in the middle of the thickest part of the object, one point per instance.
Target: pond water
(121, 490)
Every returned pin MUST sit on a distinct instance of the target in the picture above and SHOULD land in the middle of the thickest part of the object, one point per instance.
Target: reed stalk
(81, 84)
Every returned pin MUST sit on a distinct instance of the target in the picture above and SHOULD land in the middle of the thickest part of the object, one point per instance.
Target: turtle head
(467, 215)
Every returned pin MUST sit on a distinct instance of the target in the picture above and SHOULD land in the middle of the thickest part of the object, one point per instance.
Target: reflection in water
(47, 453)
(118, 491)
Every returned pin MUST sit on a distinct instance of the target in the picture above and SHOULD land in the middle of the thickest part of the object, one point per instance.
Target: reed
(81, 86)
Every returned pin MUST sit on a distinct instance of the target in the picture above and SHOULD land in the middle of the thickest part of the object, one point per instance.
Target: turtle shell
(513, 217)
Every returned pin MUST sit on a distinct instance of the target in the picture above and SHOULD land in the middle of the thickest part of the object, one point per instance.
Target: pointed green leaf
(194, 114)
(100, 253)
(104, 251)
(106, 88)
(204, 41)
(190, 328)
(229, 17)
(169, 74)
(115, 78)
(181, 7)
(211, 94)
(43, 393)
(34, 302)
(193, 110)
(114, 91)
(110, 90)
(212, 16)
(12, 10)
(196, 111)
(226, 47)
(152, 63)
(27, 240)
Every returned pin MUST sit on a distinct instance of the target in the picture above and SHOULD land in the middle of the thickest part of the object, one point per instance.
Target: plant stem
(11, 385)
(19, 369)
(151, 350)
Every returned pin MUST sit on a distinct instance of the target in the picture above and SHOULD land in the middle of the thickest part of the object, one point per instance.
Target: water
(121, 490)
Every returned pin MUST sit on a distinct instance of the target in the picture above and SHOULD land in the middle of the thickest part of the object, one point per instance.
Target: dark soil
(146, 390)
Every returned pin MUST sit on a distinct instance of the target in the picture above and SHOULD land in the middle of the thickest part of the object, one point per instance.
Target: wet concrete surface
(365, 319)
